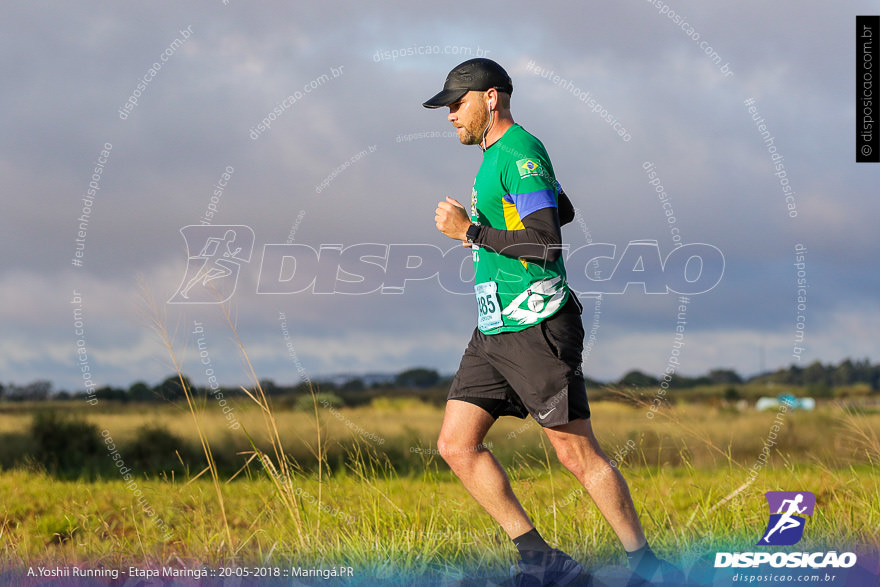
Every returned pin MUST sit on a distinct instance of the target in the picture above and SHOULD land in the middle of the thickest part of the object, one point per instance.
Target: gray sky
(69, 68)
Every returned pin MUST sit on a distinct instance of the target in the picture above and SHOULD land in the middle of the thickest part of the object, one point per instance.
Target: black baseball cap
(478, 74)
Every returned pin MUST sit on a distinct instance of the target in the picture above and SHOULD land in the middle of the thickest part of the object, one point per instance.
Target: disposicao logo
(784, 528)
(212, 273)
(786, 524)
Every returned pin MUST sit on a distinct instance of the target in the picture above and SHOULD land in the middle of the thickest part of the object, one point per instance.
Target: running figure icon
(212, 273)
(787, 521)
(217, 263)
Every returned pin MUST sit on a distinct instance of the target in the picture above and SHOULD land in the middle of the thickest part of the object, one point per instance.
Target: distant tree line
(818, 379)
(171, 390)
(848, 372)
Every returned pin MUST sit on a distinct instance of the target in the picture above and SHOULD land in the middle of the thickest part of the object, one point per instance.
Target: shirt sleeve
(530, 202)
(530, 187)
(566, 208)
(540, 239)
(531, 213)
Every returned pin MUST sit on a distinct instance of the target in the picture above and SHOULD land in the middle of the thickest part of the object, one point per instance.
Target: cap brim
(445, 98)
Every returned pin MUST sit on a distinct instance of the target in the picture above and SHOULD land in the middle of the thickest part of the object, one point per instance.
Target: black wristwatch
(473, 232)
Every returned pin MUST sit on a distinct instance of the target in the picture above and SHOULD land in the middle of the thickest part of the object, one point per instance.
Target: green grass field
(383, 502)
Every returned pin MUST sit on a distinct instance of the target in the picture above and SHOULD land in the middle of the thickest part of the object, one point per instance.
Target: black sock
(642, 561)
(531, 546)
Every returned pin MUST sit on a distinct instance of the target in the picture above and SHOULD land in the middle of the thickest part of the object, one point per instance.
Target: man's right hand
(452, 220)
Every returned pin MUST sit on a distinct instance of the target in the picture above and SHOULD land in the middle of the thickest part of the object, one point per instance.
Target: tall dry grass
(323, 486)
(157, 323)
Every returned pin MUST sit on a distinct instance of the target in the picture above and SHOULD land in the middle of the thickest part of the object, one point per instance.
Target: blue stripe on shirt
(532, 201)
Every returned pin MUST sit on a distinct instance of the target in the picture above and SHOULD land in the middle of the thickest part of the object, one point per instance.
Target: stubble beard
(473, 132)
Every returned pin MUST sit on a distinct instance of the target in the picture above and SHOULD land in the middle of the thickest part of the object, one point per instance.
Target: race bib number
(488, 307)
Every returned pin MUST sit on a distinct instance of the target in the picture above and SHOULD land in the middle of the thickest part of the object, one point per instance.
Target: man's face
(470, 116)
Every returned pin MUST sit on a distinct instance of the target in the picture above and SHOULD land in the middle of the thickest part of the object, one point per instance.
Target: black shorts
(534, 371)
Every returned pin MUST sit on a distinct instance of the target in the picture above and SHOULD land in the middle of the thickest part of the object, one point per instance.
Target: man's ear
(491, 95)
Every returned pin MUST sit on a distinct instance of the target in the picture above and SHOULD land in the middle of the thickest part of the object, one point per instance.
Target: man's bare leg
(579, 451)
(461, 446)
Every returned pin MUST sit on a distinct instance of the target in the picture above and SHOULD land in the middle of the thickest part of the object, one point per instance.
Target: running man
(524, 357)
(786, 520)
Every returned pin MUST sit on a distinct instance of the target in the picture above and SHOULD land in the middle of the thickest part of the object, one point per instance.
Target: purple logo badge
(786, 524)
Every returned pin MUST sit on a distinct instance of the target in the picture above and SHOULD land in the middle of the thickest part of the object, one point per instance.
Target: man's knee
(448, 449)
(455, 452)
(570, 457)
(445, 448)
(580, 456)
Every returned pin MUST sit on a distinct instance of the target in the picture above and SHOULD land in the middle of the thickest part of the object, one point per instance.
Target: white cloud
(242, 61)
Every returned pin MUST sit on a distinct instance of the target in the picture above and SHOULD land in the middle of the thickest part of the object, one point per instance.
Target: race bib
(488, 307)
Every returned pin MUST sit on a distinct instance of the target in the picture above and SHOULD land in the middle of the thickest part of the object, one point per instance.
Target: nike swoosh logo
(545, 414)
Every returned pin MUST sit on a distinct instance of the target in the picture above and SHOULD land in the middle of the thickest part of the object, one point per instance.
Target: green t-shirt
(514, 180)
